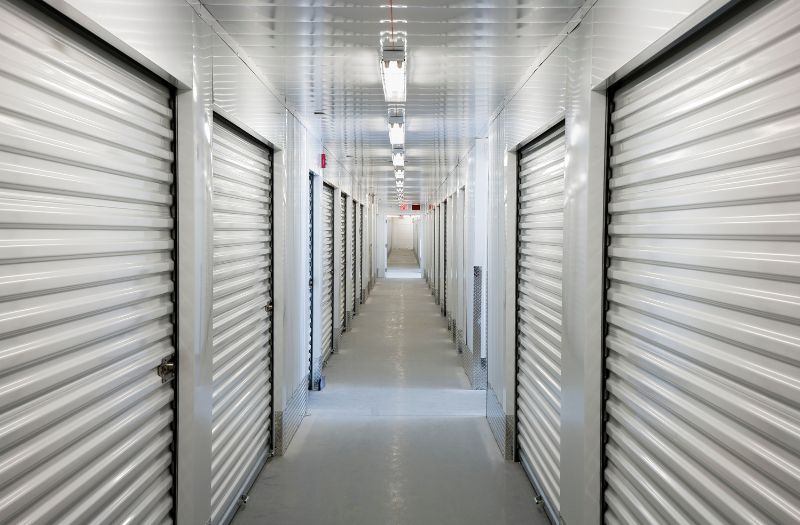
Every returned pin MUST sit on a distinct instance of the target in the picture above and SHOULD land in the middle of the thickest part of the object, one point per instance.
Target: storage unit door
(86, 280)
(445, 256)
(440, 270)
(435, 263)
(703, 320)
(540, 216)
(310, 291)
(343, 259)
(437, 225)
(326, 222)
(242, 321)
(360, 288)
(353, 238)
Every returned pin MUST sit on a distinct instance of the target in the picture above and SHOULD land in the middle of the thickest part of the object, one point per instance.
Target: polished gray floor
(397, 436)
(402, 264)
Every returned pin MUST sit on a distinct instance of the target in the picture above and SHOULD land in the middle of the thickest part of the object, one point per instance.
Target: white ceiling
(464, 58)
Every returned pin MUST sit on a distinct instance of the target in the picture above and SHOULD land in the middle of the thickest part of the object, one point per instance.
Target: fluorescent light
(393, 74)
(397, 126)
(398, 158)
(399, 174)
(393, 66)
(397, 134)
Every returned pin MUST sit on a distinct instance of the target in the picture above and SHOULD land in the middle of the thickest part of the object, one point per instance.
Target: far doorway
(403, 248)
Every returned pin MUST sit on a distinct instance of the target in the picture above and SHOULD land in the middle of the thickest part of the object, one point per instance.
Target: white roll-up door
(441, 260)
(86, 280)
(445, 256)
(353, 238)
(343, 259)
(312, 377)
(326, 223)
(360, 271)
(703, 320)
(435, 261)
(242, 319)
(540, 217)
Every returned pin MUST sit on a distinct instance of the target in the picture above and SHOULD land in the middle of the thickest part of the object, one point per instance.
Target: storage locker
(87, 286)
(241, 315)
(703, 359)
(360, 271)
(353, 251)
(343, 261)
(445, 255)
(326, 222)
(312, 375)
(540, 218)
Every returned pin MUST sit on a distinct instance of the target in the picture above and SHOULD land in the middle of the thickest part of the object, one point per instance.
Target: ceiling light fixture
(397, 126)
(397, 134)
(393, 65)
(399, 174)
(398, 157)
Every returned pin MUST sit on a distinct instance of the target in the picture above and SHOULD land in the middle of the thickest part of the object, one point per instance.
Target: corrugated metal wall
(703, 325)
(86, 281)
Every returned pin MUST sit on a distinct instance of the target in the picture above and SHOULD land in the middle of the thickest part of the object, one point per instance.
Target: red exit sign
(415, 207)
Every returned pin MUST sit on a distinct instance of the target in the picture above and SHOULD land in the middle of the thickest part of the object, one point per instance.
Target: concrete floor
(402, 264)
(397, 437)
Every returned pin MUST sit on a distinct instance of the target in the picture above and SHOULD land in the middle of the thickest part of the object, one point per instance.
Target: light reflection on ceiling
(464, 58)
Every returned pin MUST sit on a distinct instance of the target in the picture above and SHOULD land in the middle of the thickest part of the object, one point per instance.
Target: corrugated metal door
(445, 256)
(241, 315)
(540, 218)
(343, 259)
(370, 236)
(435, 263)
(326, 222)
(86, 281)
(703, 320)
(310, 291)
(353, 238)
(360, 288)
(440, 269)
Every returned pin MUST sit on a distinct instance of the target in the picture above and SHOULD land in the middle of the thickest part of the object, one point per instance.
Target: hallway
(397, 436)
(402, 264)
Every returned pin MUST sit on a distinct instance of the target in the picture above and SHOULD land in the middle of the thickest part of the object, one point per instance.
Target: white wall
(382, 239)
(402, 233)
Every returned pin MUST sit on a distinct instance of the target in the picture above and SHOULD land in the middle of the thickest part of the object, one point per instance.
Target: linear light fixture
(398, 157)
(393, 65)
(399, 174)
(397, 126)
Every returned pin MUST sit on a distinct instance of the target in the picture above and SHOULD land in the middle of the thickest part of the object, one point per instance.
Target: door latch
(166, 370)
